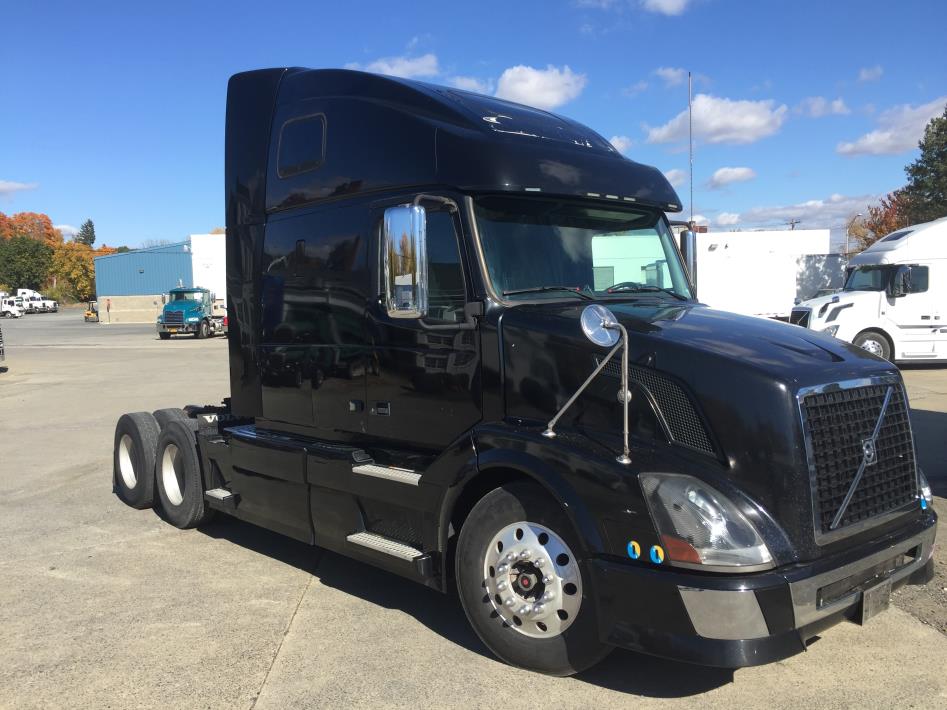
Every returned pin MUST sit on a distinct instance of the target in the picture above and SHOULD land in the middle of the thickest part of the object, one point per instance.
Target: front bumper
(736, 621)
(175, 328)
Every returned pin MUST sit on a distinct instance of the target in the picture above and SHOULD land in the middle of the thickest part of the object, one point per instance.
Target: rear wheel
(180, 489)
(173, 414)
(523, 583)
(133, 459)
(874, 342)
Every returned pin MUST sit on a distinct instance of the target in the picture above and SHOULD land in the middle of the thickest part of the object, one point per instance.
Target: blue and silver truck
(190, 311)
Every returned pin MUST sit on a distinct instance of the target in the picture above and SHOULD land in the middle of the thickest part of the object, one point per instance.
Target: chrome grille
(837, 421)
(674, 405)
(800, 316)
(173, 317)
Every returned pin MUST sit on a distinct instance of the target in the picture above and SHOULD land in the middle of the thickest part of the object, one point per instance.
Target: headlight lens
(699, 526)
(927, 496)
(831, 330)
(193, 319)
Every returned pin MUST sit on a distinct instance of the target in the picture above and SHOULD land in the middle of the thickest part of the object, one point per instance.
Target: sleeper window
(301, 145)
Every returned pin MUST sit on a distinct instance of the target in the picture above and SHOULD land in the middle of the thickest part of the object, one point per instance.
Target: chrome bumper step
(385, 545)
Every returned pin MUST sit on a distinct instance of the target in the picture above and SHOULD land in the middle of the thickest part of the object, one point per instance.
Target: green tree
(86, 234)
(25, 262)
(926, 191)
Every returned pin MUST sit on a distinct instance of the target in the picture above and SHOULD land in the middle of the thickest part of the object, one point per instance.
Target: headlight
(927, 497)
(193, 319)
(700, 527)
(831, 330)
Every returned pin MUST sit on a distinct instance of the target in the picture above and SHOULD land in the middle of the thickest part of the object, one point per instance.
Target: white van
(894, 303)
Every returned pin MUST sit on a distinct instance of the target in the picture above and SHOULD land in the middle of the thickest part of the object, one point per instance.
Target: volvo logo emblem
(870, 452)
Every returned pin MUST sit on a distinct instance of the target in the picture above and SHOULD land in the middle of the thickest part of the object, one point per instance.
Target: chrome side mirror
(405, 261)
(689, 253)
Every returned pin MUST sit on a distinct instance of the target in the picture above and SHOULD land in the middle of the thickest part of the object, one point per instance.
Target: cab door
(424, 380)
(915, 314)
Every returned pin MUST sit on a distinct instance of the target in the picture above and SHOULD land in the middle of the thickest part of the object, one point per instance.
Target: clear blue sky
(115, 111)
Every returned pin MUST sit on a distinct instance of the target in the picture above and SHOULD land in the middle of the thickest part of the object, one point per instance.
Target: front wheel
(164, 336)
(203, 330)
(523, 584)
(874, 342)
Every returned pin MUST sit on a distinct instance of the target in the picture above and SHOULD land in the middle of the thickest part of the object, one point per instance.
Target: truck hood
(840, 298)
(741, 374)
(183, 306)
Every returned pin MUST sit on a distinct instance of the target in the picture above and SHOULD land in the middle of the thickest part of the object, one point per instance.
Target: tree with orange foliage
(889, 215)
(33, 225)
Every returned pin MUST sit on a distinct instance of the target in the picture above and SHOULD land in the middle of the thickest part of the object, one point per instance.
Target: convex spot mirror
(405, 261)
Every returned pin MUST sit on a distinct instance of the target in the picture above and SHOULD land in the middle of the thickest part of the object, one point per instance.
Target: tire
(532, 633)
(133, 459)
(178, 483)
(203, 330)
(874, 342)
(165, 416)
(164, 336)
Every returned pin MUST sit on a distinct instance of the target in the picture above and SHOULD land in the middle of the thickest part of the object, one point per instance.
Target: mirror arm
(446, 201)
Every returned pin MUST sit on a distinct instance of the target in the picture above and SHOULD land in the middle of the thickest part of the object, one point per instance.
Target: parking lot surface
(105, 606)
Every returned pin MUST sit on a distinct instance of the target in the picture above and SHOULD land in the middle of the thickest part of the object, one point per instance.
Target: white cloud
(719, 120)
(899, 130)
(728, 219)
(676, 177)
(728, 176)
(621, 143)
(406, 67)
(9, 187)
(672, 76)
(700, 219)
(68, 231)
(635, 88)
(665, 7)
(813, 214)
(543, 88)
(472, 83)
(870, 73)
(819, 106)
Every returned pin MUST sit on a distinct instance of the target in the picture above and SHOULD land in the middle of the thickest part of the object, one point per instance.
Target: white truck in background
(35, 302)
(894, 302)
(9, 308)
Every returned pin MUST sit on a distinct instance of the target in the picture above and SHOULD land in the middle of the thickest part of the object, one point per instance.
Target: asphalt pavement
(104, 606)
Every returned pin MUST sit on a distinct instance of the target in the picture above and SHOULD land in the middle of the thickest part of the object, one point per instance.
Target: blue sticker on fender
(657, 554)
(634, 550)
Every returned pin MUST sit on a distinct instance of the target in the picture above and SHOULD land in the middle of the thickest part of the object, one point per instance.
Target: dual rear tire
(155, 463)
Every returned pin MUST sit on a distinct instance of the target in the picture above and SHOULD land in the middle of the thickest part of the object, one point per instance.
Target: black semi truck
(464, 348)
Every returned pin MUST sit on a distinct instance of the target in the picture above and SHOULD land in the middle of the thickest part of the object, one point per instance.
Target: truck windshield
(558, 249)
(189, 296)
(868, 278)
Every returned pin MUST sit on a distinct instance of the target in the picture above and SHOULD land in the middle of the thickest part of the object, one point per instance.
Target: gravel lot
(105, 606)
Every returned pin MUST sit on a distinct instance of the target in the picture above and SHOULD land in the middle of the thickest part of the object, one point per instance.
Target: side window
(302, 144)
(918, 279)
(444, 272)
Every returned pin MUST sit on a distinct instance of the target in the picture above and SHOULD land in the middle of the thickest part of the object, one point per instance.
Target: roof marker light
(533, 189)
(593, 194)
(612, 197)
(629, 199)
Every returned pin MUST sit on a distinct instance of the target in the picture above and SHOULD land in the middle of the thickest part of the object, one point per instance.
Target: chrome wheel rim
(873, 346)
(533, 580)
(125, 465)
(172, 474)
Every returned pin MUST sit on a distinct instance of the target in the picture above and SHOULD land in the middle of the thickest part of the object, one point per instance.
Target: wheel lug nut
(510, 557)
(539, 562)
(524, 610)
(548, 596)
(501, 586)
(525, 555)
(503, 568)
(547, 579)
(538, 608)
(510, 602)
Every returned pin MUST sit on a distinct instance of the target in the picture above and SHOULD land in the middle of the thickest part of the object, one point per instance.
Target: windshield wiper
(542, 289)
(647, 289)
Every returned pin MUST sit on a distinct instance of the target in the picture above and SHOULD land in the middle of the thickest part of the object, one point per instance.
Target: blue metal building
(144, 272)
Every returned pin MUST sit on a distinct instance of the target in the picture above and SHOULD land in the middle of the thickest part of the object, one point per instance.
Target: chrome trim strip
(805, 593)
(821, 538)
(389, 473)
(729, 615)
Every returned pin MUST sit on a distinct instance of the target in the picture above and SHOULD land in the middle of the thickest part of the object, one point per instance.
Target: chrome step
(385, 545)
(218, 493)
(391, 473)
(221, 499)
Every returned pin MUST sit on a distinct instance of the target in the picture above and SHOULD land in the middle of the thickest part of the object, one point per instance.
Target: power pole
(792, 224)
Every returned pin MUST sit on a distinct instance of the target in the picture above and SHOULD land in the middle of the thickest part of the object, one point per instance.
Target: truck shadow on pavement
(623, 671)
(930, 429)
